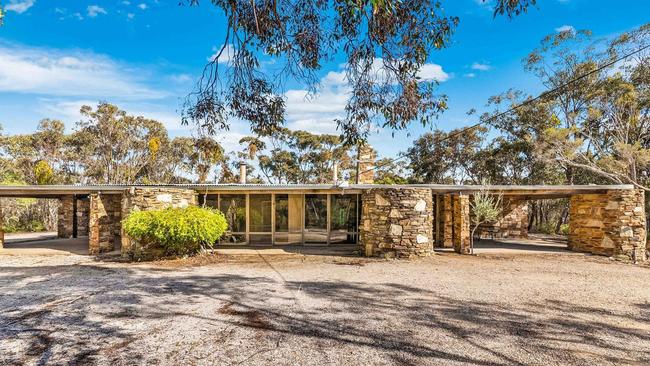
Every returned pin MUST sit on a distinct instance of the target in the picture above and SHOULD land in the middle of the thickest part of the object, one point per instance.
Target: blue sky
(146, 55)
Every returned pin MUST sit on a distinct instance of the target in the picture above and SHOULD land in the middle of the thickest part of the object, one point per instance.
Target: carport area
(604, 220)
(88, 221)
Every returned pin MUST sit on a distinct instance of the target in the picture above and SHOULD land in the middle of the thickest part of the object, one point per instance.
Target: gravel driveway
(444, 310)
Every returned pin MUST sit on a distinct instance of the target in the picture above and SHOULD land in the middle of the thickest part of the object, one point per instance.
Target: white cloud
(68, 111)
(130, 15)
(227, 54)
(334, 78)
(316, 113)
(126, 3)
(470, 75)
(95, 10)
(432, 72)
(19, 6)
(480, 66)
(54, 72)
(565, 28)
(142, 6)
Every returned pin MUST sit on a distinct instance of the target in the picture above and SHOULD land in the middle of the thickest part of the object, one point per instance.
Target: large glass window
(260, 218)
(288, 218)
(233, 207)
(344, 219)
(316, 218)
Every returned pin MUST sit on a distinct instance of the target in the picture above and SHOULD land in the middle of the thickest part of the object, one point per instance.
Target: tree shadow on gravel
(60, 314)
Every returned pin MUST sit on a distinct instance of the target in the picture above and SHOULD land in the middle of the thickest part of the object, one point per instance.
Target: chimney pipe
(335, 173)
(242, 173)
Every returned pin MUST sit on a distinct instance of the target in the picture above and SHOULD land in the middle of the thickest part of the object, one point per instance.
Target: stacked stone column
(444, 221)
(611, 223)
(65, 224)
(104, 222)
(396, 222)
(461, 234)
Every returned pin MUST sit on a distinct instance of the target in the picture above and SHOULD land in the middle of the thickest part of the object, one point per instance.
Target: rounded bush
(176, 230)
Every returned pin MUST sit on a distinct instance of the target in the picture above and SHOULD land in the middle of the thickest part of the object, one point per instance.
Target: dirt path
(533, 310)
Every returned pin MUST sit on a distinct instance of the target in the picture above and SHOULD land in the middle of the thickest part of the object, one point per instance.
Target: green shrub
(176, 230)
(564, 229)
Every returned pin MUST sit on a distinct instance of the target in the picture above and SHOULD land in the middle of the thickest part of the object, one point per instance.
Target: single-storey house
(382, 220)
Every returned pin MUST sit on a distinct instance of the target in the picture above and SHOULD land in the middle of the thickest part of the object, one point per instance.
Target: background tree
(447, 157)
(120, 145)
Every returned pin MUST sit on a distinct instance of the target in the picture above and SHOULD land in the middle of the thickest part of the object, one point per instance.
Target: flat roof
(55, 191)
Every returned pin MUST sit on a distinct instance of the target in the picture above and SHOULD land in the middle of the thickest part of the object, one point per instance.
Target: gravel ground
(318, 310)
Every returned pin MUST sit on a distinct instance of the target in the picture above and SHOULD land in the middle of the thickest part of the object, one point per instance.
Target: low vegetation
(177, 231)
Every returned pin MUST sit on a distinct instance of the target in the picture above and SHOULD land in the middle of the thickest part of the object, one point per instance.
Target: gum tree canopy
(385, 43)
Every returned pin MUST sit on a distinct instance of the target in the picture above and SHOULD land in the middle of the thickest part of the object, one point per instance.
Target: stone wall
(151, 198)
(444, 223)
(104, 222)
(512, 224)
(65, 217)
(612, 224)
(83, 216)
(461, 222)
(396, 222)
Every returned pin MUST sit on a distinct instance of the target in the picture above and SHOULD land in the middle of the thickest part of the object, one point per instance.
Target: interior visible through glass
(233, 207)
(316, 218)
(343, 219)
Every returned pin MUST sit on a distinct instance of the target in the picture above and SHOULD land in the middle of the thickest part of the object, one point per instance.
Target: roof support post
(461, 224)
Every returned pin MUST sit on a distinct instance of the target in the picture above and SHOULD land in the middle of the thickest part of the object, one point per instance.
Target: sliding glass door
(288, 218)
(316, 218)
(233, 207)
(344, 218)
(260, 216)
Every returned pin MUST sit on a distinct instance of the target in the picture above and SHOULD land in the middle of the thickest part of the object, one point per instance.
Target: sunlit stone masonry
(611, 223)
(396, 222)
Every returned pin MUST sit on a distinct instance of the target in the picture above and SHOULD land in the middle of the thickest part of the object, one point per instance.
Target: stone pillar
(611, 223)
(447, 221)
(366, 164)
(83, 216)
(65, 216)
(104, 221)
(461, 224)
(396, 222)
(151, 198)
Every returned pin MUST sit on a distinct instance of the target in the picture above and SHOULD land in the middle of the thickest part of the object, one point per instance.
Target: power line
(522, 104)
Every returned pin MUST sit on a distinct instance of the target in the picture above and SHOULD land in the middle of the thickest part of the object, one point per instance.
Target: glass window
(344, 219)
(233, 207)
(260, 213)
(282, 213)
(344, 212)
(315, 218)
(288, 218)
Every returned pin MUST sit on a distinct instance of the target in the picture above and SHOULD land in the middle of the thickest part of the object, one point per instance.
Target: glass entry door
(316, 218)
(233, 207)
(288, 219)
(260, 217)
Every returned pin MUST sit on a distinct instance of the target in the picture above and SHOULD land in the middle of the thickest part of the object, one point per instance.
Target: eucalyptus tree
(119, 145)
(386, 44)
